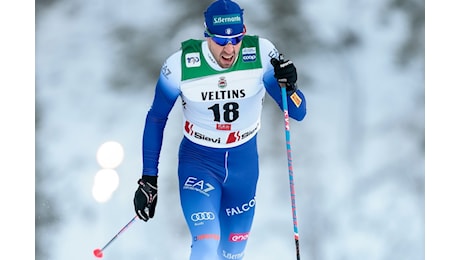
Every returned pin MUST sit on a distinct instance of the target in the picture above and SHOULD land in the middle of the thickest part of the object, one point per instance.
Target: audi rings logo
(201, 216)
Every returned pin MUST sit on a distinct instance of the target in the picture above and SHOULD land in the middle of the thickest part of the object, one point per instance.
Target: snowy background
(358, 156)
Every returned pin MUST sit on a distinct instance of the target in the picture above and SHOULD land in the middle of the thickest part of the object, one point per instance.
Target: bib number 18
(230, 112)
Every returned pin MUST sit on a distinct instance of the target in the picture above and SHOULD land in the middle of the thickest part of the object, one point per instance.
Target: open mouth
(227, 58)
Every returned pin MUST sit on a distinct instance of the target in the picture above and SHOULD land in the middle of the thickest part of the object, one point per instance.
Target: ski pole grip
(281, 58)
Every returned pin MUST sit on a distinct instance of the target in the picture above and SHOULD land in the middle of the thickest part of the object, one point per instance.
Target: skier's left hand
(285, 73)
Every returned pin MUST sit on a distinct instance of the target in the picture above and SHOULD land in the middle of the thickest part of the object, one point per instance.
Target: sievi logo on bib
(237, 136)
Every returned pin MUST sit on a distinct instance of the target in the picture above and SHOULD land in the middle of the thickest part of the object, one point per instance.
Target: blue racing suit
(218, 163)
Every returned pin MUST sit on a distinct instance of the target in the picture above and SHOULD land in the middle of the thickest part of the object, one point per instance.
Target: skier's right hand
(145, 197)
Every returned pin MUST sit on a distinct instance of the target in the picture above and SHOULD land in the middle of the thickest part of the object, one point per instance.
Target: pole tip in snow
(98, 253)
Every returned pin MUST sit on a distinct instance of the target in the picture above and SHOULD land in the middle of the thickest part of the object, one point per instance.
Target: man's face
(224, 55)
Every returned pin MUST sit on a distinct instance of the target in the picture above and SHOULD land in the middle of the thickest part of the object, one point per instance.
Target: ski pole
(98, 252)
(290, 168)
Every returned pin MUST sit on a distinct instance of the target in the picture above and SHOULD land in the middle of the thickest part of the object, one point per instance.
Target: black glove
(146, 197)
(285, 73)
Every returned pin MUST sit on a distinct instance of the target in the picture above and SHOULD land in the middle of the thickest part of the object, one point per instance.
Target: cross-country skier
(222, 81)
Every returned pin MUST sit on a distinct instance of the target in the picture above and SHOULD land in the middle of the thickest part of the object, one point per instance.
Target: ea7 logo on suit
(192, 183)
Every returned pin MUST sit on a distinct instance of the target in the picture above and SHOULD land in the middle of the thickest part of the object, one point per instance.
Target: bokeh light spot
(110, 155)
(106, 181)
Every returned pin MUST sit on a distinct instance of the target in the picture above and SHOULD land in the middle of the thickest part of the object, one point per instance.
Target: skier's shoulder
(171, 69)
(266, 46)
(267, 51)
